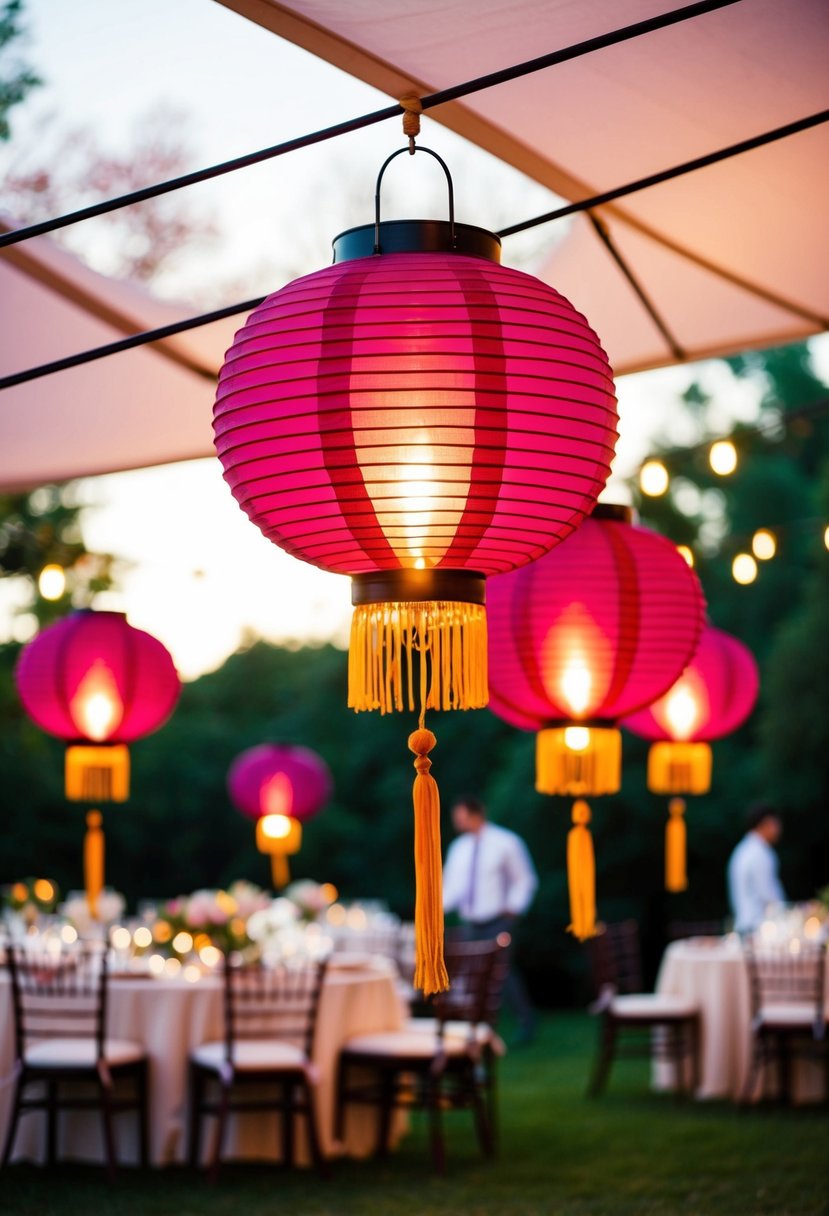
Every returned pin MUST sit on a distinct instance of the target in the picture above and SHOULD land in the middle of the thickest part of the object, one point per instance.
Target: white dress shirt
(753, 882)
(488, 873)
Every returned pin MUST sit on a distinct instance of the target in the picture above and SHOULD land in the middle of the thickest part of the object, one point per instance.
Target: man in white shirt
(753, 881)
(489, 880)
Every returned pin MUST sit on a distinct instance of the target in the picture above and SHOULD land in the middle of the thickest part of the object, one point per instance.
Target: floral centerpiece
(31, 898)
(311, 898)
(75, 910)
(208, 918)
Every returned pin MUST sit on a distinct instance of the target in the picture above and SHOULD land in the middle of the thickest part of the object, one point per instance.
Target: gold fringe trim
(445, 641)
(97, 774)
(593, 769)
(679, 768)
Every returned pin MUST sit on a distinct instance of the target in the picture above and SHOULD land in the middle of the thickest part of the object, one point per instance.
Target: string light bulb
(744, 569)
(653, 478)
(826, 536)
(51, 582)
(723, 457)
(764, 544)
(686, 553)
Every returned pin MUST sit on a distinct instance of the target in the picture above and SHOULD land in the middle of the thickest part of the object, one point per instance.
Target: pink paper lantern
(713, 696)
(279, 779)
(592, 631)
(98, 683)
(419, 420)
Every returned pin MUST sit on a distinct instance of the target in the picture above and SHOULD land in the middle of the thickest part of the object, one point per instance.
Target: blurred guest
(489, 880)
(753, 881)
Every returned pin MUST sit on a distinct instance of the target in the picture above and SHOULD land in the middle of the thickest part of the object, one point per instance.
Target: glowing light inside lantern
(653, 478)
(51, 582)
(96, 707)
(682, 711)
(577, 738)
(764, 544)
(277, 796)
(417, 488)
(275, 827)
(723, 457)
(576, 685)
(744, 569)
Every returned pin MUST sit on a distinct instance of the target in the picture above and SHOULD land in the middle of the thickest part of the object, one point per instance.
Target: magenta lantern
(419, 417)
(713, 696)
(99, 684)
(280, 786)
(598, 627)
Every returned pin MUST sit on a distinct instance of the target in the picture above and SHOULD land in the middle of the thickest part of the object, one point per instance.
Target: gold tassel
(280, 871)
(430, 970)
(581, 874)
(450, 639)
(93, 861)
(676, 878)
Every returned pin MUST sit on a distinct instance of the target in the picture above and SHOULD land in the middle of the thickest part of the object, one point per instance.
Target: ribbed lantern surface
(595, 629)
(713, 696)
(422, 411)
(279, 779)
(91, 676)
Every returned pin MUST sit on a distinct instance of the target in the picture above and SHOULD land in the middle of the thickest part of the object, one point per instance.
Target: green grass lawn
(629, 1153)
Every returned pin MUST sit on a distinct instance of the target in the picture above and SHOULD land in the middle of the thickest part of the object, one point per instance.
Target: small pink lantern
(98, 683)
(281, 786)
(714, 695)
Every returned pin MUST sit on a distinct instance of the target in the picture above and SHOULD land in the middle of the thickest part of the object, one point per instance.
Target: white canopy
(730, 256)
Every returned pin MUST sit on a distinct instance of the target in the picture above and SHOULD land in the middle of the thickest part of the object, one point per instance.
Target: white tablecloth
(713, 972)
(171, 1017)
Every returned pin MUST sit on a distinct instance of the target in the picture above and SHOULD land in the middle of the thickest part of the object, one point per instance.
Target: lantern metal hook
(451, 188)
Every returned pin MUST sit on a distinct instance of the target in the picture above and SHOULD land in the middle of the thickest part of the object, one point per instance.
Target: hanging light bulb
(826, 537)
(653, 478)
(51, 582)
(764, 544)
(687, 553)
(744, 569)
(723, 457)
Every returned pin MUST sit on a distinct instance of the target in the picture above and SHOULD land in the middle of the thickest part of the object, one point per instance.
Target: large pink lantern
(281, 786)
(714, 695)
(98, 683)
(420, 417)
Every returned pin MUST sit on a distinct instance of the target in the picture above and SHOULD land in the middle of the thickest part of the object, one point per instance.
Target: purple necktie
(473, 875)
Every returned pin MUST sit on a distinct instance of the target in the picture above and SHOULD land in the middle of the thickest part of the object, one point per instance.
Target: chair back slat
(275, 1002)
(58, 994)
(476, 976)
(781, 975)
(615, 958)
(678, 930)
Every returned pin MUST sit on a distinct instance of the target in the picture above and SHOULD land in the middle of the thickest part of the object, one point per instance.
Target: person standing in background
(489, 880)
(753, 880)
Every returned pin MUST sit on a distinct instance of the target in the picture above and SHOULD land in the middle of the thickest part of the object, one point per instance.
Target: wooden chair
(59, 1003)
(633, 1022)
(444, 1062)
(679, 930)
(270, 1016)
(787, 1010)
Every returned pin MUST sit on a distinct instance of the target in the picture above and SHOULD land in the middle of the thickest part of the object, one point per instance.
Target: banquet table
(171, 1016)
(713, 972)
